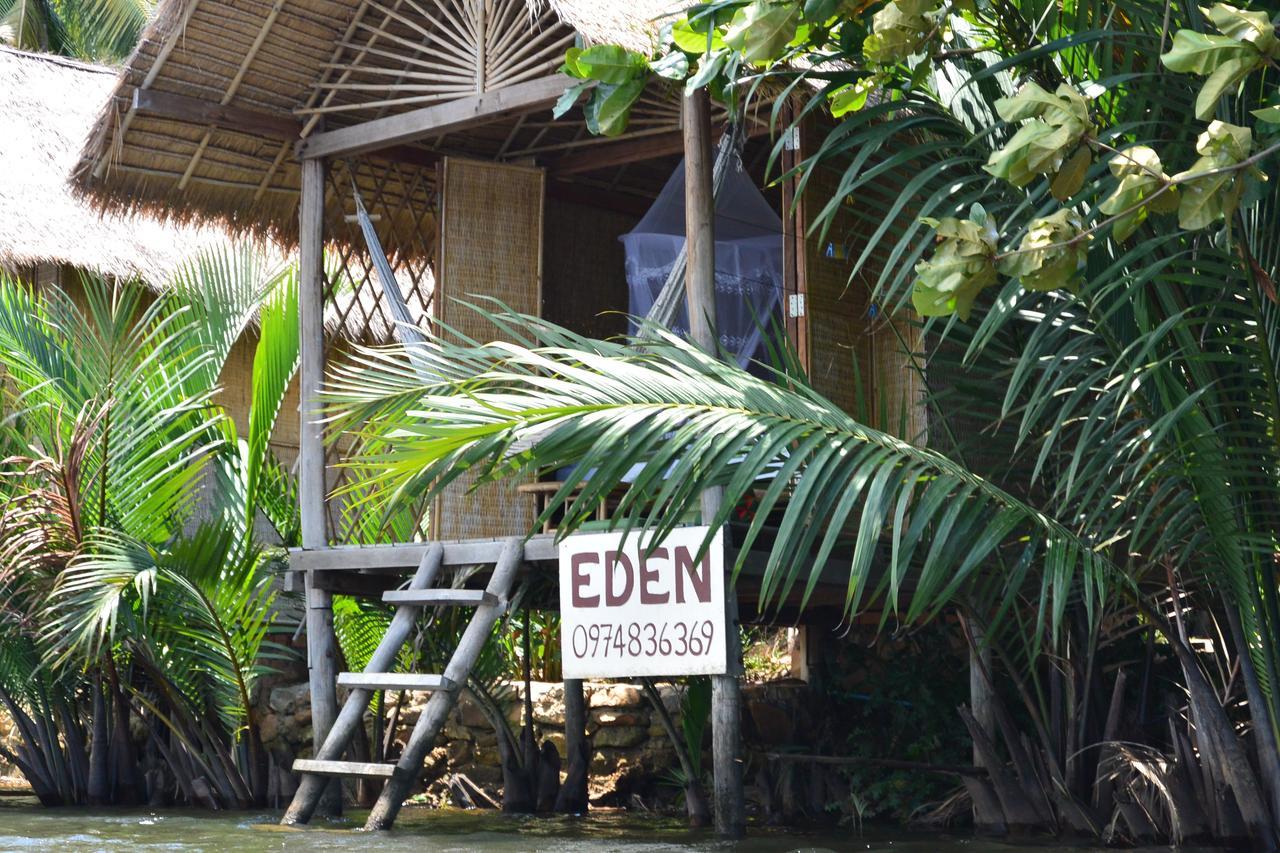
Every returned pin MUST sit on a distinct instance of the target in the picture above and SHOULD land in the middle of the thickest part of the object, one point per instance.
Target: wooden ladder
(421, 592)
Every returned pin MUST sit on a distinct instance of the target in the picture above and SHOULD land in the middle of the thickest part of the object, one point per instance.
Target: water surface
(26, 826)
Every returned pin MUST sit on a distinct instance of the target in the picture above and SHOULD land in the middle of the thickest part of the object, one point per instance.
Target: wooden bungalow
(269, 116)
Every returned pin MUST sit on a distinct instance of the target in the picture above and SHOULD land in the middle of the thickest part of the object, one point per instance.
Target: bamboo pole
(700, 296)
(321, 641)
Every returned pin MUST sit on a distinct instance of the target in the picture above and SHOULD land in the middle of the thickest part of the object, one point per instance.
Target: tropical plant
(1103, 389)
(137, 584)
(93, 30)
(1093, 187)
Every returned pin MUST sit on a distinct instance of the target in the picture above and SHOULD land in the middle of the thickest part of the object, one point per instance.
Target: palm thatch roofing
(205, 117)
(50, 106)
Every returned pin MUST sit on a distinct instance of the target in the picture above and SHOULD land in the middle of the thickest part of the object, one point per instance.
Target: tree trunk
(1264, 737)
(1222, 752)
(572, 798)
(98, 792)
(548, 788)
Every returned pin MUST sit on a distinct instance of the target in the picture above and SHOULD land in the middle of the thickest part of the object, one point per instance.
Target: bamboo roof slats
(343, 63)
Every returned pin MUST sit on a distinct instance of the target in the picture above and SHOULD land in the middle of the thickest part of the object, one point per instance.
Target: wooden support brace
(436, 119)
(197, 111)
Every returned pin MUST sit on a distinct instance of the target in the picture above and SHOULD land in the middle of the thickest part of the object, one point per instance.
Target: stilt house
(272, 116)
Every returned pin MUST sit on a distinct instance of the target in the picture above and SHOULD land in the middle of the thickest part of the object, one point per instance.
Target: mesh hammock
(748, 259)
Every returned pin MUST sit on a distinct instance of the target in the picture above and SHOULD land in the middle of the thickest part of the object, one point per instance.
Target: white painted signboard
(627, 613)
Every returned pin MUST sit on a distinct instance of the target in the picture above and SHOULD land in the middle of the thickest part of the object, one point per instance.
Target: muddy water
(25, 826)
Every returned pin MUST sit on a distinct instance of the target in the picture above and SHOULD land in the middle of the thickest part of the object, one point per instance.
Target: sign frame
(628, 610)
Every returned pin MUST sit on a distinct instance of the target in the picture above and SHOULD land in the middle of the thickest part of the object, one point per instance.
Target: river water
(24, 826)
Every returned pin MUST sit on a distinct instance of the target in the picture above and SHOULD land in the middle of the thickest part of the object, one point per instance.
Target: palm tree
(92, 30)
(139, 587)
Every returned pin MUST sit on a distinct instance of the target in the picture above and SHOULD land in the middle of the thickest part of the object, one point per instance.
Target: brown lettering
(701, 581)
(613, 560)
(580, 580)
(648, 575)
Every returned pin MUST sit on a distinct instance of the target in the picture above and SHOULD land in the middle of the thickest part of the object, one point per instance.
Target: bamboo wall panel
(585, 283)
(851, 341)
(491, 226)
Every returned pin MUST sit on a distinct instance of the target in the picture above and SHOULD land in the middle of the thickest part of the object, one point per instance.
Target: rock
(672, 696)
(460, 752)
(269, 728)
(470, 714)
(456, 731)
(288, 699)
(605, 762)
(616, 696)
(557, 740)
(485, 737)
(620, 736)
(485, 774)
(610, 717)
(487, 756)
(548, 703)
(657, 732)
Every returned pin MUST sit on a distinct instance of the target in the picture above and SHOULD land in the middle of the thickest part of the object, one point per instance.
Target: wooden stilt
(700, 296)
(573, 794)
(321, 641)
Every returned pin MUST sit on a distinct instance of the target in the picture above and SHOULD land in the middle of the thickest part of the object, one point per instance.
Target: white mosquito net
(748, 259)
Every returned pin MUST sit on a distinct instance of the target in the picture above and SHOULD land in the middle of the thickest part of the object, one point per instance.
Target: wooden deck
(372, 570)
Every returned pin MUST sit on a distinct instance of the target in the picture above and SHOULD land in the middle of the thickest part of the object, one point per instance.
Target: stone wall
(631, 753)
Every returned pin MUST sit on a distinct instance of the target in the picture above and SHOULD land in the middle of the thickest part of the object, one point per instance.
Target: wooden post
(700, 296)
(321, 640)
(573, 794)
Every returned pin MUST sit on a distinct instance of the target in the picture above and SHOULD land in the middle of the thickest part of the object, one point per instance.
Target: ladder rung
(393, 681)
(438, 597)
(365, 769)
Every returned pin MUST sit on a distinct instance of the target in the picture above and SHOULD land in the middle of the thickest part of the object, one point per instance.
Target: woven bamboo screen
(490, 246)
(852, 341)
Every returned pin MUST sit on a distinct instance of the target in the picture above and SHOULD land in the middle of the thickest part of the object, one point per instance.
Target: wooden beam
(633, 150)
(466, 552)
(436, 119)
(197, 111)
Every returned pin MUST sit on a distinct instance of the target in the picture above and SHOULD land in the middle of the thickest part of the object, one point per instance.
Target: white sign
(627, 613)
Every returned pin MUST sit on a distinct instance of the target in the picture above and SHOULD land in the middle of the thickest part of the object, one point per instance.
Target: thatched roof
(304, 65)
(50, 105)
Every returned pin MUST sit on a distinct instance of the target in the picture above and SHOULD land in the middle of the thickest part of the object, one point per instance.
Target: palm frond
(687, 422)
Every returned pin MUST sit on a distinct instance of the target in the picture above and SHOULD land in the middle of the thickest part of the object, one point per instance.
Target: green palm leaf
(691, 422)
